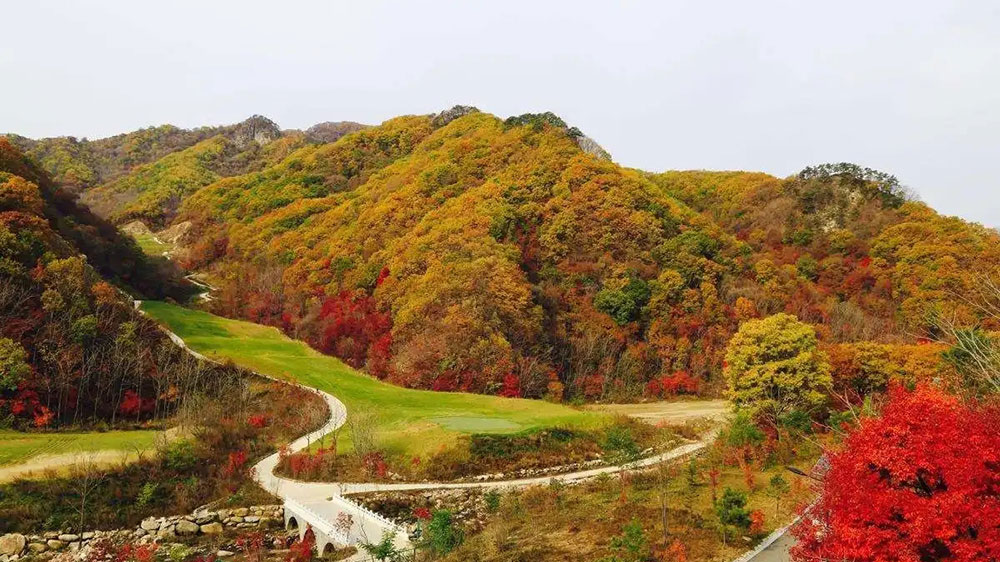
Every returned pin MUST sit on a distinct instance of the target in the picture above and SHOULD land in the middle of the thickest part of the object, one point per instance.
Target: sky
(911, 88)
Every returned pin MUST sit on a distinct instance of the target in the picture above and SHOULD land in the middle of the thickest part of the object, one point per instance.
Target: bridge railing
(317, 522)
(385, 521)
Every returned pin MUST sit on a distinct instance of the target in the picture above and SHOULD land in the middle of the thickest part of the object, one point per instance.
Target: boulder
(252, 518)
(241, 512)
(166, 532)
(55, 544)
(185, 527)
(223, 553)
(212, 528)
(150, 524)
(69, 537)
(12, 543)
(37, 547)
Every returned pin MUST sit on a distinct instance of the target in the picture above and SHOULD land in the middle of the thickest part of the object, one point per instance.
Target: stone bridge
(336, 521)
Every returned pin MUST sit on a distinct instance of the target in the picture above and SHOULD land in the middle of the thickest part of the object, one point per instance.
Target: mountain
(465, 252)
(461, 251)
(144, 174)
(72, 349)
(844, 247)
(78, 164)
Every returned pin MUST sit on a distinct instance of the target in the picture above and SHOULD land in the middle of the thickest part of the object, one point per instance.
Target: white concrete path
(323, 502)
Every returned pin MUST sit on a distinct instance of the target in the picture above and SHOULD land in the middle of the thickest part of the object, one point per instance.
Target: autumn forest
(853, 330)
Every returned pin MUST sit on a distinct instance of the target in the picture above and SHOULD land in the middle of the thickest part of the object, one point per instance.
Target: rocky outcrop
(257, 129)
(590, 146)
(136, 228)
(331, 131)
(449, 115)
(174, 234)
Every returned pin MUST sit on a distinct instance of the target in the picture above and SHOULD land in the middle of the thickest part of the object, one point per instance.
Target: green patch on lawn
(408, 421)
(468, 424)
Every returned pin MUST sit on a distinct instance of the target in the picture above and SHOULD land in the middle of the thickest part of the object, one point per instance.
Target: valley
(410, 422)
(483, 337)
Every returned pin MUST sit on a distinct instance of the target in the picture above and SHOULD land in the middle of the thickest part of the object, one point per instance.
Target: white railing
(385, 521)
(316, 521)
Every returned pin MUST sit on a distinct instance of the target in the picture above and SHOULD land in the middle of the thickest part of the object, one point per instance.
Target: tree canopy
(774, 366)
(919, 482)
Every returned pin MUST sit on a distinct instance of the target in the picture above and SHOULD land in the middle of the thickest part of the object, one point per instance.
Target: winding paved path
(324, 500)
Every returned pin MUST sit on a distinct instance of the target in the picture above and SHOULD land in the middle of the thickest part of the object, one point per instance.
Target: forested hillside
(79, 164)
(145, 174)
(475, 254)
(459, 251)
(845, 248)
(72, 349)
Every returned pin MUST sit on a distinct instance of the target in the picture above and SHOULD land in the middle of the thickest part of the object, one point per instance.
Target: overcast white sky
(912, 88)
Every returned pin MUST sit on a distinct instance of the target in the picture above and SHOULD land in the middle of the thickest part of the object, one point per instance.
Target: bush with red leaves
(919, 483)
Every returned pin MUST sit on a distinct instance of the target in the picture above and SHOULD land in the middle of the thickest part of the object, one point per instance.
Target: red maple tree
(920, 483)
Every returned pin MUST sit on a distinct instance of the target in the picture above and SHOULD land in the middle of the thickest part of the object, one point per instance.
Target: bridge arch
(306, 522)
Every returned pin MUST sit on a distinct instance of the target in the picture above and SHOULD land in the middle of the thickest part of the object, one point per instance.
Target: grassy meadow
(407, 421)
(150, 245)
(18, 446)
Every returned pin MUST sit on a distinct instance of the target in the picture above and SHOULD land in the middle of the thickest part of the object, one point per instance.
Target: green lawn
(409, 421)
(149, 245)
(17, 447)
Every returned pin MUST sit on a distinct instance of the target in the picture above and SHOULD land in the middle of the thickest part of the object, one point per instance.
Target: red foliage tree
(301, 550)
(236, 461)
(756, 522)
(131, 403)
(511, 386)
(919, 483)
(593, 386)
(355, 330)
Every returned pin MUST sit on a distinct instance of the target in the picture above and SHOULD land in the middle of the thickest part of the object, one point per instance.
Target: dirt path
(670, 412)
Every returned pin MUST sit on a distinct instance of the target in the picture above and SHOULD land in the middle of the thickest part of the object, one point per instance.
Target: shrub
(632, 545)
(492, 500)
(620, 445)
(731, 509)
(442, 534)
(180, 456)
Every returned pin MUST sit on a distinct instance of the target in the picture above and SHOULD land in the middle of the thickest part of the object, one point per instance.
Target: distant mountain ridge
(123, 178)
